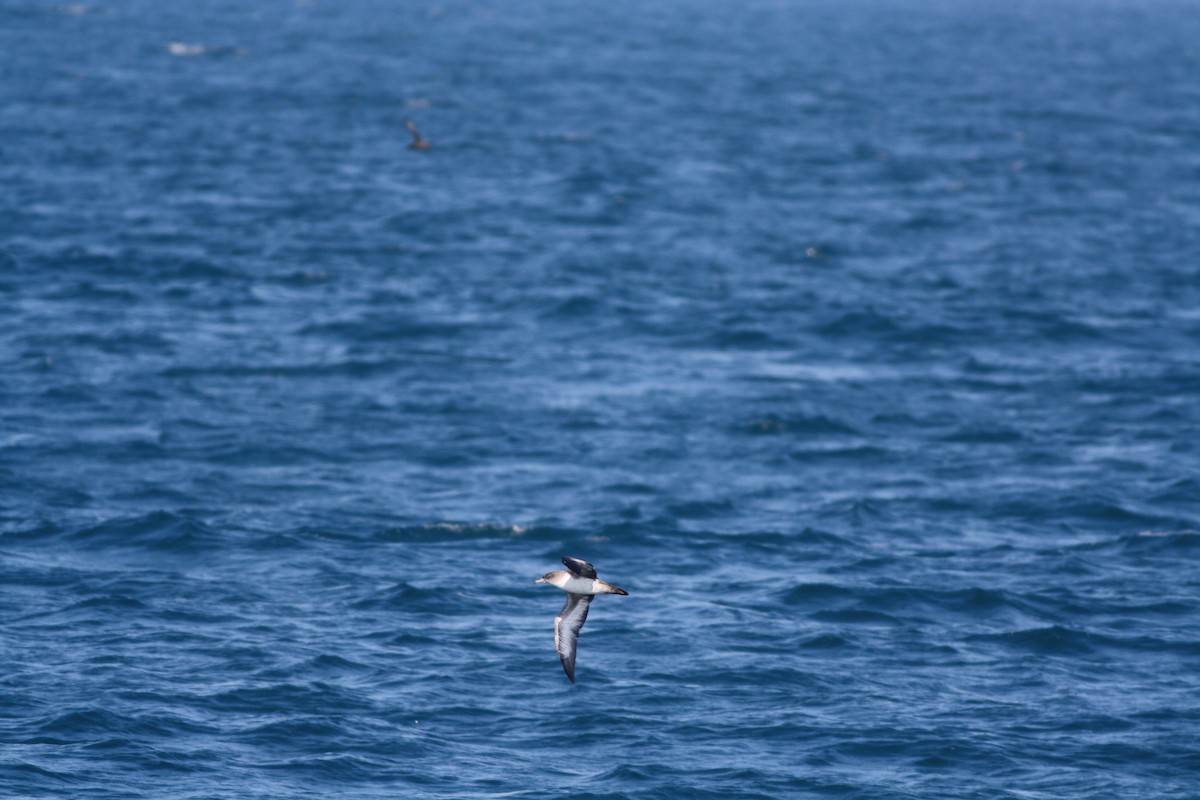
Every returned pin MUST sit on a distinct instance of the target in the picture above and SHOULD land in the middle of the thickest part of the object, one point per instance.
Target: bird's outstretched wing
(418, 143)
(580, 567)
(412, 129)
(566, 629)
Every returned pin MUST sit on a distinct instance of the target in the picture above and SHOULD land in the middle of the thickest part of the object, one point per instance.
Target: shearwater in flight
(418, 142)
(580, 583)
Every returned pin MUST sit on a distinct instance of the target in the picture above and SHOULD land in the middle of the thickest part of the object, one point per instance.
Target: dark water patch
(748, 676)
(353, 368)
(1184, 490)
(900, 419)
(89, 260)
(83, 723)
(864, 453)
(977, 435)
(700, 509)
(1094, 724)
(96, 725)
(270, 452)
(332, 769)
(854, 324)
(855, 616)
(287, 698)
(1113, 753)
(1086, 510)
(576, 307)
(973, 603)
(812, 537)
(977, 601)
(1062, 328)
(816, 594)
(745, 339)
(199, 270)
(115, 603)
(313, 730)
(637, 489)
(383, 329)
(328, 663)
(311, 278)
(1167, 714)
(89, 292)
(326, 667)
(827, 641)
(1051, 641)
(912, 604)
(581, 422)
(1066, 603)
(35, 772)
(815, 425)
(410, 640)
(71, 395)
(1145, 541)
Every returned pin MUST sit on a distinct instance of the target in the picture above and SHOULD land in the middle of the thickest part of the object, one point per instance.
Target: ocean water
(859, 341)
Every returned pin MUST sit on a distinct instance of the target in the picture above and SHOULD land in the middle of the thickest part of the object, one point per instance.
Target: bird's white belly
(578, 585)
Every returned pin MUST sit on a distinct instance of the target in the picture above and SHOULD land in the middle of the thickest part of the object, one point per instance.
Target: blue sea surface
(859, 341)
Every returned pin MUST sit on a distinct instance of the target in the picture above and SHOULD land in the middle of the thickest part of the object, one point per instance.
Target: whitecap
(182, 49)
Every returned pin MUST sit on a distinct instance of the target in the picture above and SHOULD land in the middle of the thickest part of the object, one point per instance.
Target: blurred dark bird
(418, 143)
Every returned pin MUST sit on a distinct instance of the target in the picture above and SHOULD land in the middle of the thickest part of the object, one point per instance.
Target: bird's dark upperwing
(566, 629)
(580, 567)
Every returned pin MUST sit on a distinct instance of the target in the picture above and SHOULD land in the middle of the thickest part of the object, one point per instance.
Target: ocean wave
(1063, 641)
(162, 531)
